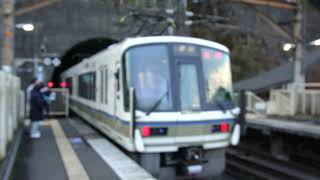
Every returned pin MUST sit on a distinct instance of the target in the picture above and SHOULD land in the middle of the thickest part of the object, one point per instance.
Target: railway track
(244, 164)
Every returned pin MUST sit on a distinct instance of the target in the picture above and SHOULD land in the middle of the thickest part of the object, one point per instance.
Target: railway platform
(293, 111)
(69, 149)
(302, 127)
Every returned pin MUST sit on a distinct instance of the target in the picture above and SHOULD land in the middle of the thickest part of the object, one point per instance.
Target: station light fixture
(56, 62)
(170, 11)
(316, 42)
(28, 27)
(47, 61)
(25, 26)
(287, 46)
(188, 22)
(189, 13)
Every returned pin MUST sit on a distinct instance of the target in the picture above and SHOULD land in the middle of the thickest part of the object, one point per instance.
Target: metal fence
(11, 108)
(59, 102)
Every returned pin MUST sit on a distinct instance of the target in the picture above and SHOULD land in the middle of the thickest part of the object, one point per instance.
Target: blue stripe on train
(159, 124)
(184, 123)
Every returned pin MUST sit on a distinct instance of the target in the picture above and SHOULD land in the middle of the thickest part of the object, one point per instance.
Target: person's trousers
(35, 128)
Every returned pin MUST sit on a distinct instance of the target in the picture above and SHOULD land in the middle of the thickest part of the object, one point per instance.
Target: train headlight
(146, 131)
(220, 128)
(224, 127)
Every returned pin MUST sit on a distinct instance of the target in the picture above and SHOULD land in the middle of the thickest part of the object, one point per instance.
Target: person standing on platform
(37, 106)
(33, 82)
(46, 92)
(29, 89)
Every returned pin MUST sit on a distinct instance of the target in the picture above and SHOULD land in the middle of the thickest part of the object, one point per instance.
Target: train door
(188, 71)
(101, 85)
(118, 103)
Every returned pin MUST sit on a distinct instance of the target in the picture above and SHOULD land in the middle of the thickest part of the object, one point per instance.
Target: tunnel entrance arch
(80, 51)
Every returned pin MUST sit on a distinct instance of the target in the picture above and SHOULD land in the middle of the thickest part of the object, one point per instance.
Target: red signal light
(146, 131)
(218, 55)
(224, 127)
(206, 54)
(63, 84)
(50, 84)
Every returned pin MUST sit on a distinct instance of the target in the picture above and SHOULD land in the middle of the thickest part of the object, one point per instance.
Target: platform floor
(70, 149)
(308, 128)
(41, 158)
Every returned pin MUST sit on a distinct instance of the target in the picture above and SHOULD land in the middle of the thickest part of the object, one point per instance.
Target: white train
(166, 99)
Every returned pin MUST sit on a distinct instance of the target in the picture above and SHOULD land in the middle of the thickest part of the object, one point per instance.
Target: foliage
(248, 52)
(315, 3)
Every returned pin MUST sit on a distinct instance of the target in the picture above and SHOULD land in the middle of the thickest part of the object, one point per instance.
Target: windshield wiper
(221, 107)
(224, 109)
(157, 103)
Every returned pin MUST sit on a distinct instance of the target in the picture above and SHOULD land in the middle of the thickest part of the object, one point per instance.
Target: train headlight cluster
(223, 127)
(147, 131)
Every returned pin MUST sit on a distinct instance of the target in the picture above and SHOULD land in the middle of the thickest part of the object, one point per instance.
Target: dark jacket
(37, 106)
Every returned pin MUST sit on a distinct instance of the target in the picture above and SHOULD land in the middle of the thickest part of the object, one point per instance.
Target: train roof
(129, 42)
(136, 41)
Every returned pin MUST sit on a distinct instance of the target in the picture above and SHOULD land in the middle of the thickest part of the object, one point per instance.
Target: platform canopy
(278, 76)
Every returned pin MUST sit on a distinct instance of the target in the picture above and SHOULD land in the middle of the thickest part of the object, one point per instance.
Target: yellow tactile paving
(72, 164)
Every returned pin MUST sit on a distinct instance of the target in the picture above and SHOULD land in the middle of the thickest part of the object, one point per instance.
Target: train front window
(217, 75)
(147, 70)
(188, 85)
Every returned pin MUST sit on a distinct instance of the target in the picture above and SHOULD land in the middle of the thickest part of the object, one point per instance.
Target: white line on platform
(122, 165)
(71, 162)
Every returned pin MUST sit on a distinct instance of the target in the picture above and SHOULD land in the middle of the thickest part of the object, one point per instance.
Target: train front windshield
(169, 77)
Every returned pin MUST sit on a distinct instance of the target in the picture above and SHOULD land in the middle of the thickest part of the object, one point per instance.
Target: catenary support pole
(8, 35)
(298, 77)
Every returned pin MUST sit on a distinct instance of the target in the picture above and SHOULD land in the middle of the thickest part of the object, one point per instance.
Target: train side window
(87, 86)
(93, 87)
(69, 85)
(102, 81)
(117, 76)
(106, 87)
